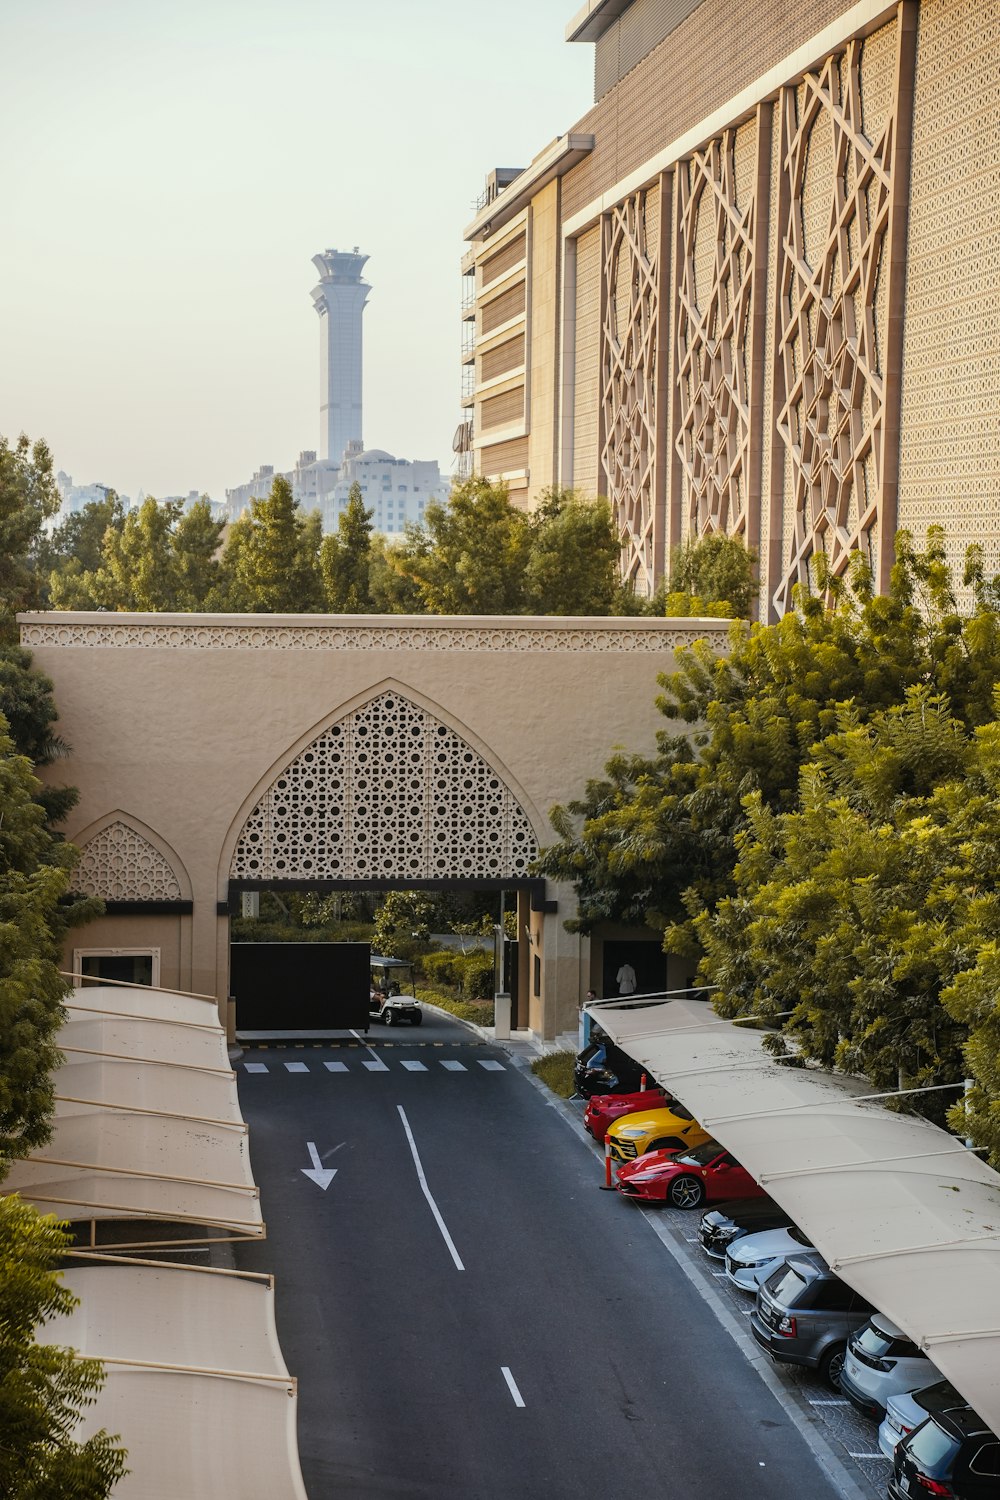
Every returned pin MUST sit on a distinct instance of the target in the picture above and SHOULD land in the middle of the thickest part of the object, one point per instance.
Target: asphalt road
(630, 1387)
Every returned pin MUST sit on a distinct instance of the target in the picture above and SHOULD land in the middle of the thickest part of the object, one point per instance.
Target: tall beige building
(755, 288)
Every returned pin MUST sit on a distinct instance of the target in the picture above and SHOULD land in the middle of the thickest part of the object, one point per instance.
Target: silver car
(752, 1259)
(881, 1360)
(907, 1409)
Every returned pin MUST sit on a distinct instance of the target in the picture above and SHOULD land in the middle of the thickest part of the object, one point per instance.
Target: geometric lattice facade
(629, 348)
(388, 792)
(118, 864)
(838, 138)
(716, 382)
(776, 282)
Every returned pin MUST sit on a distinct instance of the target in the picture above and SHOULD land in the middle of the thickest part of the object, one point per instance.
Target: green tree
(139, 568)
(44, 1388)
(34, 876)
(574, 556)
(471, 559)
(715, 569)
(657, 835)
(846, 910)
(28, 498)
(402, 924)
(196, 542)
(67, 557)
(345, 559)
(270, 564)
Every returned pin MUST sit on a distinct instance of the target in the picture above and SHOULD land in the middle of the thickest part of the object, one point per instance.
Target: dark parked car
(603, 1068)
(731, 1221)
(805, 1315)
(952, 1454)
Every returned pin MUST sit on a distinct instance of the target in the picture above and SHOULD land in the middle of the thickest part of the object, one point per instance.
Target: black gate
(300, 986)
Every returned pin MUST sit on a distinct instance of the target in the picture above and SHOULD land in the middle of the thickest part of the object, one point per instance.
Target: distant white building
(76, 496)
(395, 490)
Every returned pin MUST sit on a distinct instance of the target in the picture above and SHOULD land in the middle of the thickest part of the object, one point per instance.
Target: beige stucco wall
(950, 419)
(543, 358)
(180, 723)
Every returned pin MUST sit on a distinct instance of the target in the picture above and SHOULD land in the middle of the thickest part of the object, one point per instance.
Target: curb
(836, 1469)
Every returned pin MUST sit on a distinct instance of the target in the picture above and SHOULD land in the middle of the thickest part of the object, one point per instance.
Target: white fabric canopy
(899, 1208)
(196, 1384)
(142, 1000)
(147, 1119)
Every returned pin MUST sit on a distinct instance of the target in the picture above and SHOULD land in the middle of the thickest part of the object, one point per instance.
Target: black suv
(805, 1315)
(953, 1453)
(603, 1068)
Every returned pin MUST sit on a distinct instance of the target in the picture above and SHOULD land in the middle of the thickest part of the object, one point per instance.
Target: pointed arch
(123, 859)
(386, 788)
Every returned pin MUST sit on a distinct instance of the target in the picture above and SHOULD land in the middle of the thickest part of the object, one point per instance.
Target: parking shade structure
(901, 1209)
(148, 1143)
(196, 1386)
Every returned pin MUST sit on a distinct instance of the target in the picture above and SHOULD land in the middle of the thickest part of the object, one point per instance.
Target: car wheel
(831, 1365)
(389, 1018)
(416, 1019)
(686, 1192)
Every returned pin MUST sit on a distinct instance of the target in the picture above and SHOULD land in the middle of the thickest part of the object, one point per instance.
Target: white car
(907, 1409)
(881, 1361)
(750, 1260)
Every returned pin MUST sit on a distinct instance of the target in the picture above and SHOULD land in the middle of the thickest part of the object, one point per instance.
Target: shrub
(556, 1070)
(479, 1012)
(477, 975)
(441, 968)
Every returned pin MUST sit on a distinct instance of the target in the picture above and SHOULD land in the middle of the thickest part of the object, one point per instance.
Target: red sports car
(705, 1174)
(603, 1109)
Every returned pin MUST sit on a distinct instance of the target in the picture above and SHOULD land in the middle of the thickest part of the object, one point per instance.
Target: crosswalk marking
(376, 1065)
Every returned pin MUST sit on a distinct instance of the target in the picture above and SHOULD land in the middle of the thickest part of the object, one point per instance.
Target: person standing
(626, 979)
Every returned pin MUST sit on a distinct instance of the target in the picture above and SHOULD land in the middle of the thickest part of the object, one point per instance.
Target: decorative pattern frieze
(391, 792)
(629, 335)
(838, 149)
(261, 634)
(119, 864)
(716, 272)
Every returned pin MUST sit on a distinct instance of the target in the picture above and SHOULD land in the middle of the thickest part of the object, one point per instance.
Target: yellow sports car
(670, 1129)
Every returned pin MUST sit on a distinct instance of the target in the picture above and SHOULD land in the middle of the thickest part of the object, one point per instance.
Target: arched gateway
(219, 753)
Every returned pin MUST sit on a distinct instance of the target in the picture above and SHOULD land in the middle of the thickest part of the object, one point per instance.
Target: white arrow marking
(322, 1176)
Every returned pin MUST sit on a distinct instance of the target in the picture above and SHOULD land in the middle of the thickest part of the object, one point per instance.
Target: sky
(171, 168)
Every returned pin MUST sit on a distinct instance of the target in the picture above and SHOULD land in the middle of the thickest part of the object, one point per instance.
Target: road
(411, 1370)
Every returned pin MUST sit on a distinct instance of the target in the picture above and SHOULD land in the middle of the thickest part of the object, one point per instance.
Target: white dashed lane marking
(336, 1067)
(256, 1067)
(297, 1067)
(490, 1065)
(414, 1067)
(452, 1065)
(374, 1067)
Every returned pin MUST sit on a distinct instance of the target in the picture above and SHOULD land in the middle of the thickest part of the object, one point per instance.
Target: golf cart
(391, 998)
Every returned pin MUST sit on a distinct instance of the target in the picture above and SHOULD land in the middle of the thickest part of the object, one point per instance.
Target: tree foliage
(345, 559)
(716, 570)
(44, 1388)
(825, 837)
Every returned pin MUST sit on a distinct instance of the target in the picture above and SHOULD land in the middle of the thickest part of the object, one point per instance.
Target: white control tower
(340, 300)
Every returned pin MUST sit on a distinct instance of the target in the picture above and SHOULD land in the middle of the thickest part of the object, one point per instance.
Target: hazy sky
(171, 167)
